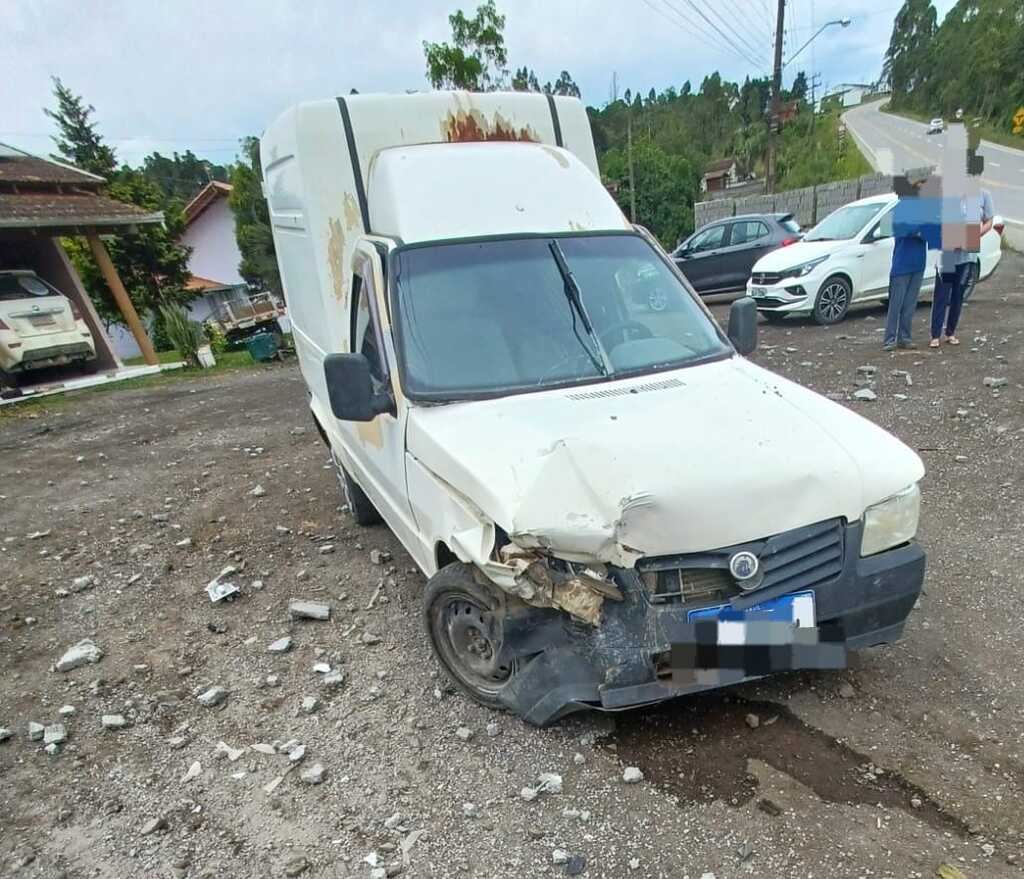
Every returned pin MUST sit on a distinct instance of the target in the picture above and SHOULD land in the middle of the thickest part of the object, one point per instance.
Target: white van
(611, 504)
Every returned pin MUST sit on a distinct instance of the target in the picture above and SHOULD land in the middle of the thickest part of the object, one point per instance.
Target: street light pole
(842, 22)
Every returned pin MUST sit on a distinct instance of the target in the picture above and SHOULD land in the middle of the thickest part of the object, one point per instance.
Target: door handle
(860, 256)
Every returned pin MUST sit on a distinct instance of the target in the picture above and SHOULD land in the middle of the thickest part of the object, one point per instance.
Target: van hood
(686, 461)
(800, 252)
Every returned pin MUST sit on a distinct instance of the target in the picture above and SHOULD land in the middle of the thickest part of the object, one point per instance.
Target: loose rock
(865, 394)
(308, 610)
(83, 653)
(113, 721)
(281, 645)
(632, 775)
(212, 697)
(313, 774)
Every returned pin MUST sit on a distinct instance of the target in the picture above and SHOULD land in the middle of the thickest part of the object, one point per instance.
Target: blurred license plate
(758, 291)
(796, 610)
(41, 320)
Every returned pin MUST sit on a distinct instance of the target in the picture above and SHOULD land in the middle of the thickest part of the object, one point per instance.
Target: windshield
(844, 223)
(23, 287)
(483, 318)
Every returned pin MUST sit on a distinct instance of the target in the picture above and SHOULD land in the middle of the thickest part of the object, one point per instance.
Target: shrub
(184, 334)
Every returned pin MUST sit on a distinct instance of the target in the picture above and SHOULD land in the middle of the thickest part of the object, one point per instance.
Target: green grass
(229, 361)
(986, 130)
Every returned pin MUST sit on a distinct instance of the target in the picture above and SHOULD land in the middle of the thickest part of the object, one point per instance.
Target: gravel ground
(909, 759)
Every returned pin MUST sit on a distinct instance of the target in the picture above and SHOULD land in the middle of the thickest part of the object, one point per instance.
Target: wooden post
(99, 253)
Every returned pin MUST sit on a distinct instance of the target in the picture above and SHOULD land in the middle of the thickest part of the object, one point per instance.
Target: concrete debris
(176, 743)
(333, 679)
(153, 826)
(313, 774)
(578, 759)
(469, 810)
(218, 588)
(405, 846)
(321, 668)
(846, 691)
(865, 394)
(549, 782)
(52, 748)
(559, 856)
(379, 556)
(82, 584)
(296, 754)
(113, 721)
(326, 549)
(867, 370)
(83, 653)
(392, 821)
(194, 771)
(992, 382)
(632, 775)
(369, 638)
(493, 730)
(184, 543)
(634, 863)
(5, 734)
(464, 733)
(308, 610)
(39, 535)
(310, 704)
(272, 680)
(212, 697)
(296, 867)
(231, 753)
(753, 721)
(66, 710)
(258, 491)
(262, 748)
(916, 803)
(54, 734)
(272, 785)
(281, 645)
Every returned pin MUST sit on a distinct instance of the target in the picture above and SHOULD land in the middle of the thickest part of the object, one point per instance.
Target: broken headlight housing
(891, 522)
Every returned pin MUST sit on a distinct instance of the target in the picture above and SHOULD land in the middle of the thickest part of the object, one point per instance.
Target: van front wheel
(359, 505)
(465, 622)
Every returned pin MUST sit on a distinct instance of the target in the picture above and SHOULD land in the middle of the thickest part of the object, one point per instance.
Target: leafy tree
(151, 265)
(77, 141)
(182, 175)
(665, 189)
(906, 60)
(252, 222)
(798, 92)
(476, 59)
(565, 85)
(525, 80)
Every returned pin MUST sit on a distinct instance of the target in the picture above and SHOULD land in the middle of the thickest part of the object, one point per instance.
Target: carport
(42, 201)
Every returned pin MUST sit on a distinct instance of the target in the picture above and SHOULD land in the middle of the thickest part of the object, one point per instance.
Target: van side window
(366, 335)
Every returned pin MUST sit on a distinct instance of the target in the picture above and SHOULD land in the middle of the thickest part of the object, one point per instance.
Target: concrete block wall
(808, 205)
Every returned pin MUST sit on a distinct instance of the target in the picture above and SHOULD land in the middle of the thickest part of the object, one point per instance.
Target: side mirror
(742, 330)
(350, 388)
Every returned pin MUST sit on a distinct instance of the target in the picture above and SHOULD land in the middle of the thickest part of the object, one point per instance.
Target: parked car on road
(39, 326)
(718, 257)
(936, 126)
(585, 483)
(843, 261)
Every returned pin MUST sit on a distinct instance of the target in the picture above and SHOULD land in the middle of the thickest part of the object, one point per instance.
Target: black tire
(359, 505)
(971, 281)
(465, 624)
(774, 317)
(833, 301)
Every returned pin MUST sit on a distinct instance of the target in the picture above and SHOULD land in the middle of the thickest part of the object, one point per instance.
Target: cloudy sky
(200, 74)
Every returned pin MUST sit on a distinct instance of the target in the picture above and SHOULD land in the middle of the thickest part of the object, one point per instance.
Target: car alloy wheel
(833, 301)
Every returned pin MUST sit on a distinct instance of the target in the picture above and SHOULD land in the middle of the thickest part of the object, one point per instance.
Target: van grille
(797, 559)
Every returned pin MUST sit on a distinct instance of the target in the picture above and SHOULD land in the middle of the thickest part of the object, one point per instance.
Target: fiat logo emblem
(745, 568)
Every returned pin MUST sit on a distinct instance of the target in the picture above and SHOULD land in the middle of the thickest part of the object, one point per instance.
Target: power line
(687, 26)
(749, 34)
(718, 30)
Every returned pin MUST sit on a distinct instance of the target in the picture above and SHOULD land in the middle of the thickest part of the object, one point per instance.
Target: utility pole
(815, 77)
(773, 118)
(629, 155)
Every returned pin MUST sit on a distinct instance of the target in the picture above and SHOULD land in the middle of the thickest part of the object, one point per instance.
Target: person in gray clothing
(951, 277)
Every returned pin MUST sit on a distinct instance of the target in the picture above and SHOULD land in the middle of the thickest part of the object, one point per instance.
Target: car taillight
(999, 227)
(787, 241)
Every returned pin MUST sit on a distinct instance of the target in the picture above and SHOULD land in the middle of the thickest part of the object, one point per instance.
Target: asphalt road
(892, 144)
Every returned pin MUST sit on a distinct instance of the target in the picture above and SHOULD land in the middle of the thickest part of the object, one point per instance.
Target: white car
(845, 261)
(39, 326)
(936, 126)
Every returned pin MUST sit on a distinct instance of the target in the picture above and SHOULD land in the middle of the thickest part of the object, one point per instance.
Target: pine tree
(78, 143)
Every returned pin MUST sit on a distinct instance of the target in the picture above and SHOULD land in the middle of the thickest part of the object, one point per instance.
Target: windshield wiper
(572, 293)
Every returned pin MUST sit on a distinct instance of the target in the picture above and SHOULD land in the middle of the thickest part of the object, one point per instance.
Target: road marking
(993, 164)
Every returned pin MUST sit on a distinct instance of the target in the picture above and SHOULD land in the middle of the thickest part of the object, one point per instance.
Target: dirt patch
(698, 749)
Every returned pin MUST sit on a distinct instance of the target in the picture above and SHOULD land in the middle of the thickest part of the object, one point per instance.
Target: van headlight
(891, 522)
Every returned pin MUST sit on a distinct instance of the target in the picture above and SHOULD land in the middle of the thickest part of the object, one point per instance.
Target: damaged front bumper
(566, 664)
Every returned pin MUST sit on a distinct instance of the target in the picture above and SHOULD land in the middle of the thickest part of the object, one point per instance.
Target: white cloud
(199, 74)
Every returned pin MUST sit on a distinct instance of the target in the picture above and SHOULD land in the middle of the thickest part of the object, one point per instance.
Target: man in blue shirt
(915, 222)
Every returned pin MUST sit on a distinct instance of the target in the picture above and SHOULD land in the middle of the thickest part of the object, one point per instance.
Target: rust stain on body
(370, 432)
(468, 126)
(336, 259)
